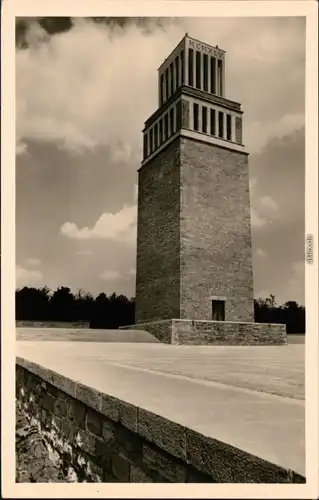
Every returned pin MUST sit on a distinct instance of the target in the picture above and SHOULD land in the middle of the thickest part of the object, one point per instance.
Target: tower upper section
(192, 102)
(195, 64)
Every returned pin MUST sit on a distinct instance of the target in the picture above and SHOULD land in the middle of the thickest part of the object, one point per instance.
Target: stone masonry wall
(94, 437)
(216, 254)
(158, 242)
(223, 333)
(196, 332)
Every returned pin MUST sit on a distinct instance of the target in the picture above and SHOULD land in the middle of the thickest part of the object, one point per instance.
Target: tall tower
(194, 280)
(194, 256)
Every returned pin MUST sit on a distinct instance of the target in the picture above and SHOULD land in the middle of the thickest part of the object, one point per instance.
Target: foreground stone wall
(34, 462)
(94, 437)
(197, 332)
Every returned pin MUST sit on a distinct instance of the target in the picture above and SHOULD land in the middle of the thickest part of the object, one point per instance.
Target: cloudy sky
(84, 88)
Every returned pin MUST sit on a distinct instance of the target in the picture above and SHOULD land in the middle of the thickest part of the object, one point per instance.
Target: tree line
(41, 304)
(290, 313)
(113, 311)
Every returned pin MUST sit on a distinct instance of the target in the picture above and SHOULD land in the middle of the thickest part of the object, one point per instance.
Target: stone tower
(194, 256)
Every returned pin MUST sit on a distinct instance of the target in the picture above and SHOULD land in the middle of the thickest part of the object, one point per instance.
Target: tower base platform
(203, 332)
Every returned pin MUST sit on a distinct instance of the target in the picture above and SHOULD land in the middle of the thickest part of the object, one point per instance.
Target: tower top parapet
(187, 41)
(195, 64)
(191, 100)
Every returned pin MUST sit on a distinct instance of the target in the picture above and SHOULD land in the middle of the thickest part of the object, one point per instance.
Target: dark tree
(83, 305)
(290, 314)
(113, 311)
(62, 305)
(32, 303)
(295, 317)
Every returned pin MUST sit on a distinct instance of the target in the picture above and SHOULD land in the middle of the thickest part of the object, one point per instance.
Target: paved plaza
(249, 397)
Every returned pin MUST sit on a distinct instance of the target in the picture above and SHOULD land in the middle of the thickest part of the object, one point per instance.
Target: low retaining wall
(198, 332)
(95, 437)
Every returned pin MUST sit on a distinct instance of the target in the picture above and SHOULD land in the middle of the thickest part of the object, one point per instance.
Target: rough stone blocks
(194, 234)
(98, 448)
(197, 332)
(215, 232)
(158, 237)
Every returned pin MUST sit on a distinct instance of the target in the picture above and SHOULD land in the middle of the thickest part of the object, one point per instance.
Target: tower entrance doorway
(218, 310)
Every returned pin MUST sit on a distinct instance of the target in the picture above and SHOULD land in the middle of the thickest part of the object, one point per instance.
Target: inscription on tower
(207, 49)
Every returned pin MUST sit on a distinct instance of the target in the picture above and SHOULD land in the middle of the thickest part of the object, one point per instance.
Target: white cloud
(87, 87)
(119, 276)
(258, 133)
(256, 220)
(260, 253)
(84, 88)
(268, 203)
(35, 34)
(110, 275)
(33, 262)
(120, 226)
(27, 277)
(122, 153)
(263, 208)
